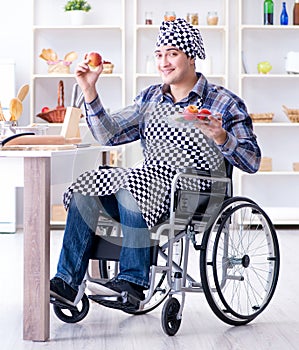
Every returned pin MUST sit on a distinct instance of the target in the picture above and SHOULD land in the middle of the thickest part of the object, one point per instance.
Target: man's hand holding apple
(87, 73)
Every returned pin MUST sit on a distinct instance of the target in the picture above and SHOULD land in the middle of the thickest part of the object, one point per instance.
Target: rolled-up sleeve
(115, 128)
(240, 147)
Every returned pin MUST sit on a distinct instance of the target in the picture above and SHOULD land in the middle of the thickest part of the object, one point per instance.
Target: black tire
(240, 263)
(169, 320)
(73, 314)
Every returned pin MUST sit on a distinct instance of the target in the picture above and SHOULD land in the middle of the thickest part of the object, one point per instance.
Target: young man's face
(173, 65)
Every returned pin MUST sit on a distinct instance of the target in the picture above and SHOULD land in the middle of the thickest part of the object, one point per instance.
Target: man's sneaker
(62, 291)
(129, 303)
(119, 286)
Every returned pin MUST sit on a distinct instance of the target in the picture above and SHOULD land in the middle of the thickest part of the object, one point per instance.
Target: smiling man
(140, 197)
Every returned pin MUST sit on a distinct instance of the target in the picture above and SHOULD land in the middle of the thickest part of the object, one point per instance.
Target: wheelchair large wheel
(72, 314)
(240, 263)
(109, 269)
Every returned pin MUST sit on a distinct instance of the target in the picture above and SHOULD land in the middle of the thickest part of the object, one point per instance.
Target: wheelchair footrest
(62, 304)
(124, 301)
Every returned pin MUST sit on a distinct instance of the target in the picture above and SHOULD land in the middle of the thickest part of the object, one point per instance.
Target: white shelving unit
(277, 191)
(105, 33)
(215, 37)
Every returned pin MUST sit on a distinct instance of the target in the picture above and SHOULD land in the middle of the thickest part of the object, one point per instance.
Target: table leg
(36, 308)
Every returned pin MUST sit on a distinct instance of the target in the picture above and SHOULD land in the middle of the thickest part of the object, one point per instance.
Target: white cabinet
(215, 38)
(104, 32)
(277, 191)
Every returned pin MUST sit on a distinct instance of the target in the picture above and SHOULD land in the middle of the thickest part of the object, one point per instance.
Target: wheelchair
(238, 256)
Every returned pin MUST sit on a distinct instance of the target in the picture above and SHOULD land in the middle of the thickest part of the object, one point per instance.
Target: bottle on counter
(296, 13)
(284, 18)
(268, 12)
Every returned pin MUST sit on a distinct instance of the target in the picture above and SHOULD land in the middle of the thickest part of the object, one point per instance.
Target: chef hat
(182, 35)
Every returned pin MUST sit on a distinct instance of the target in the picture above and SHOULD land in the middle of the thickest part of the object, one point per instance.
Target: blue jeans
(80, 229)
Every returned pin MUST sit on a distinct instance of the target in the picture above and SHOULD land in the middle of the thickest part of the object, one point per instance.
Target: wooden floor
(276, 328)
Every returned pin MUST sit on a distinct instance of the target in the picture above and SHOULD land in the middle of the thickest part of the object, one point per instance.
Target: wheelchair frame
(239, 261)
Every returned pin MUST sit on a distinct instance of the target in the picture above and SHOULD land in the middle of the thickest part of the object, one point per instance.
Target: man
(140, 197)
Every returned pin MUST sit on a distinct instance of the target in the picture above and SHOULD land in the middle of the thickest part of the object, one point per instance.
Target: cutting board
(42, 140)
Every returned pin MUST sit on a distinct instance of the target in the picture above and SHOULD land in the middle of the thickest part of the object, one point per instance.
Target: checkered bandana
(182, 35)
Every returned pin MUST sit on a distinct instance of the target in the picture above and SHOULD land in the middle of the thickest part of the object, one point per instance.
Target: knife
(80, 100)
(74, 95)
(9, 138)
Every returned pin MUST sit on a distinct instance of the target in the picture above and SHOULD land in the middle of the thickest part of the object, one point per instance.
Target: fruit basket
(56, 115)
(61, 67)
(261, 117)
(292, 114)
(56, 65)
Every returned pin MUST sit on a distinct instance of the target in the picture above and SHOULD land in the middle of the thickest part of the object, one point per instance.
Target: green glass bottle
(268, 12)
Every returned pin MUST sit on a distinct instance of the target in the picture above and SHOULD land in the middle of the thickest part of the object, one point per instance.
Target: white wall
(15, 41)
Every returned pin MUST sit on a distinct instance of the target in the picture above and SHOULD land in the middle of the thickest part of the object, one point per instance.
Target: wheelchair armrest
(203, 173)
(194, 171)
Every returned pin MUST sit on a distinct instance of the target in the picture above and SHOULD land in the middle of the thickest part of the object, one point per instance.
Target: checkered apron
(168, 148)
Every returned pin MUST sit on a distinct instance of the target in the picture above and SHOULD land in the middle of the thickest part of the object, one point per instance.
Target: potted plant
(77, 9)
(77, 5)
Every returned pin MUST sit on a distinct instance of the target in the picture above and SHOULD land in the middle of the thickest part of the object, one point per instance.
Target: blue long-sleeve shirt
(240, 147)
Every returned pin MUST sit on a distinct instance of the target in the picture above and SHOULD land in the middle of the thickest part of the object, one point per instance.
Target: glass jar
(169, 16)
(148, 18)
(193, 19)
(212, 18)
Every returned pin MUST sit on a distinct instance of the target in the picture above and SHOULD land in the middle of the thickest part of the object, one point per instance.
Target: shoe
(62, 291)
(127, 299)
(120, 286)
(127, 307)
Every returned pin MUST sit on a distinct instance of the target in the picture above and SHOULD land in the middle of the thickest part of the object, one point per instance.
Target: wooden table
(37, 186)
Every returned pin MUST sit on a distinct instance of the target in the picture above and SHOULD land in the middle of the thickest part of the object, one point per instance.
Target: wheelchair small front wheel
(72, 314)
(170, 322)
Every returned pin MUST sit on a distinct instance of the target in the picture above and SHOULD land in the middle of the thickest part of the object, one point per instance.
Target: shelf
(62, 76)
(215, 36)
(268, 27)
(105, 33)
(283, 215)
(271, 173)
(275, 191)
(276, 125)
(200, 27)
(82, 27)
(269, 76)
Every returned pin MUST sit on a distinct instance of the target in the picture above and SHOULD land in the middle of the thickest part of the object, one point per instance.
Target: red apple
(45, 109)
(203, 114)
(94, 59)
